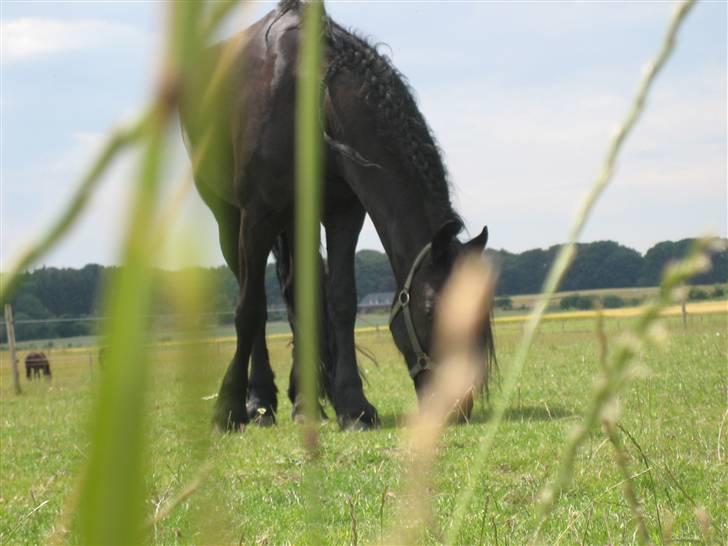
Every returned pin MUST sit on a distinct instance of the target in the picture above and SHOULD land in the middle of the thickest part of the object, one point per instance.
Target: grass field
(252, 488)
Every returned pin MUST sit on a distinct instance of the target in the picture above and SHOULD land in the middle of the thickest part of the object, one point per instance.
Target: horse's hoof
(229, 419)
(365, 420)
(299, 415)
(263, 417)
(462, 411)
(264, 421)
(354, 425)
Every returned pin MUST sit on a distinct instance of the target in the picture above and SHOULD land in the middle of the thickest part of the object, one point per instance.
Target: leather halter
(402, 303)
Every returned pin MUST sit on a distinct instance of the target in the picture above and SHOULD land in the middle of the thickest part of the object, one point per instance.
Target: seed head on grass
(462, 312)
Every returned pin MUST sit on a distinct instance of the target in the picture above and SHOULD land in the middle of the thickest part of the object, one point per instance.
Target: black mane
(386, 92)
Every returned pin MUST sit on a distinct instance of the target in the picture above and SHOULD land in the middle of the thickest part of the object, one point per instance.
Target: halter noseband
(402, 303)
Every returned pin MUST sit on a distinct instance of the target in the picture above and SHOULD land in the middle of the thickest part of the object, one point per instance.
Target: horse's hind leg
(283, 252)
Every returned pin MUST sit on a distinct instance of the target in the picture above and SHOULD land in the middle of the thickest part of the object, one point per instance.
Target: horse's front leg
(256, 238)
(353, 410)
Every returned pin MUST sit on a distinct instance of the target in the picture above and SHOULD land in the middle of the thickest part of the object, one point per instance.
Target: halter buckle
(423, 363)
(404, 298)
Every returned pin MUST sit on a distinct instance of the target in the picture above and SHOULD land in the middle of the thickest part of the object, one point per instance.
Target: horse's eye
(430, 300)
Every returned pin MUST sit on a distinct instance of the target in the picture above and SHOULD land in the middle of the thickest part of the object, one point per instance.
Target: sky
(523, 98)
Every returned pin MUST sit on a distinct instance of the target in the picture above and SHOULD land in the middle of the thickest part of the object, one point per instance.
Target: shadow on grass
(522, 413)
(543, 412)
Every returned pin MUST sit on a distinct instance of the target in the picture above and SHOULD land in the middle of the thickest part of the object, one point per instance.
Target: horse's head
(416, 302)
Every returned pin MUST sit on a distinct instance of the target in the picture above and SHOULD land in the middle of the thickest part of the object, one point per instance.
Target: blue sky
(523, 98)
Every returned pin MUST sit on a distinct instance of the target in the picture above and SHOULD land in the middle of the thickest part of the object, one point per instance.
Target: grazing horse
(380, 158)
(35, 364)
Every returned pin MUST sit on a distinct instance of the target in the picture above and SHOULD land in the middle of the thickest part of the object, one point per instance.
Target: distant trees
(75, 293)
(504, 302)
(576, 301)
(602, 264)
(612, 301)
(373, 273)
(56, 293)
(657, 257)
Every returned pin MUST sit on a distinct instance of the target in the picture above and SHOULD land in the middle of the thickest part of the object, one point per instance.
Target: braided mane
(386, 93)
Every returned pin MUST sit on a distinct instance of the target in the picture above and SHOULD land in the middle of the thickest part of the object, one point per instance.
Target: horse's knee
(247, 314)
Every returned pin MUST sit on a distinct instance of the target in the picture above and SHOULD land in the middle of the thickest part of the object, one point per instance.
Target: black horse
(380, 158)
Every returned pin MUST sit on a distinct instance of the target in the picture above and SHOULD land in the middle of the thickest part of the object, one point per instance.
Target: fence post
(11, 346)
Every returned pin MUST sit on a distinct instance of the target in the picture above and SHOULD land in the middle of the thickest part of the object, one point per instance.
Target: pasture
(254, 488)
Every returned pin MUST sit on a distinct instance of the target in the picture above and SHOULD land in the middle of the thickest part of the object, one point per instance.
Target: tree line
(63, 293)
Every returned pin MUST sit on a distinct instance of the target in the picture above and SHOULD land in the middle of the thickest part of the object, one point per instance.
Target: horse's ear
(442, 239)
(478, 243)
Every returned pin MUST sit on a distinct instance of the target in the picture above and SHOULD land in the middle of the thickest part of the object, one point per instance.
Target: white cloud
(521, 160)
(30, 38)
(97, 235)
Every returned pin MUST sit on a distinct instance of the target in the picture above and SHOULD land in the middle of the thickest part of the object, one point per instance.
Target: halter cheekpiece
(402, 303)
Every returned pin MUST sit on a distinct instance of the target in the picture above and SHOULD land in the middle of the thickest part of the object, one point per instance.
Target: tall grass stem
(562, 262)
(307, 242)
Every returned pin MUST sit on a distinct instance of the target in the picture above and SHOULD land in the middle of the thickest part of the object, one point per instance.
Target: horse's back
(251, 157)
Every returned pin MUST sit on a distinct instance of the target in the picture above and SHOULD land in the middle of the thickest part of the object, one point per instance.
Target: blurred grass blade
(308, 204)
(306, 259)
(112, 489)
(111, 506)
(463, 310)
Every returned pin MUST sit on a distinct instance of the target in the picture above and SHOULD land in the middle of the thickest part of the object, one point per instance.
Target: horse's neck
(403, 251)
(399, 215)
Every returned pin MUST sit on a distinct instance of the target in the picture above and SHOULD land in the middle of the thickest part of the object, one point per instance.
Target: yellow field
(697, 308)
(639, 292)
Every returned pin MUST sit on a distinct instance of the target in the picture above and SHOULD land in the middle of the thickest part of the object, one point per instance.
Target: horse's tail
(328, 341)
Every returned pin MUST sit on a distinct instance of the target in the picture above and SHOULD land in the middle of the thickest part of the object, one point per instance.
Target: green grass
(253, 490)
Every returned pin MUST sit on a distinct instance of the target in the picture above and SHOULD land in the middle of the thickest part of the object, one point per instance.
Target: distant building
(376, 301)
